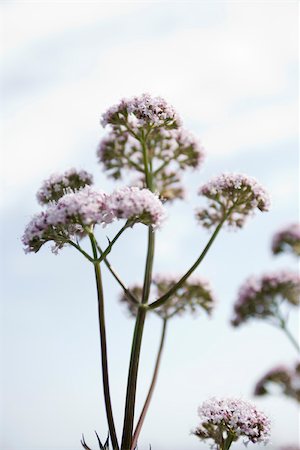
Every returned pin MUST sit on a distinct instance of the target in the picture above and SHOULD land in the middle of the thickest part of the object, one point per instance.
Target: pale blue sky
(230, 68)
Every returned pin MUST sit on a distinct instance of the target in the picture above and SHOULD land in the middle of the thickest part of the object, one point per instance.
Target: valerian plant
(146, 141)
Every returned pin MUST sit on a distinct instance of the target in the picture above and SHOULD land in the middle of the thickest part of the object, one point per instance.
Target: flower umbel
(287, 240)
(232, 197)
(193, 295)
(67, 218)
(156, 132)
(226, 420)
(141, 111)
(56, 185)
(262, 297)
(286, 379)
(137, 205)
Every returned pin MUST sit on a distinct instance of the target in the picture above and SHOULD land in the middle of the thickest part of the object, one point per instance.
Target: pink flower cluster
(193, 295)
(261, 297)
(86, 207)
(56, 185)
(136, 204)
(233, 197)
(287, 239)
(234, 418)
(285, 378)
(148, 125)
(142, 110)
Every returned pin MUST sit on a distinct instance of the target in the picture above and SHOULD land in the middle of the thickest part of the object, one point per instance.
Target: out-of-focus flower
(58, 184)
(142, 111)
(226, 420)
(195, 294)
(262, 297)
(287, 240)
(232, 197)
(285, 378)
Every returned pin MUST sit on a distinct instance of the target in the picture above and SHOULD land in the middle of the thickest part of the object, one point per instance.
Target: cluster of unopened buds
(146, 138)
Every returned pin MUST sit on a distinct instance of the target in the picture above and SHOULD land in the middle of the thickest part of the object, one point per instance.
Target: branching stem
(176, 286)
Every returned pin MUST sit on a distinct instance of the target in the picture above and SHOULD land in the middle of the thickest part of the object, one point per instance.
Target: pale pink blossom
(144, 110)
(231, 418)
(232, 198)
(137, 205)
(58, 183)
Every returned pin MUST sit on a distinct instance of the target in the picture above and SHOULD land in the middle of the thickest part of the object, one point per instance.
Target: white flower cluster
(145, 109)
(234, 418)
(232, 197)
(87, 207)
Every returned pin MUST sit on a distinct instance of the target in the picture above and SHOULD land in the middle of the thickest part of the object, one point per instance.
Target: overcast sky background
(231, 70)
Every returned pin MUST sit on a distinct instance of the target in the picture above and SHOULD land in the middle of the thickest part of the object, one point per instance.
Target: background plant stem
(291, 338)
(151, 389)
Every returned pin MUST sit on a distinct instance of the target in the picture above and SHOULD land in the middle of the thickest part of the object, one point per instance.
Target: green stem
(127, 292)
(136, 349)
(151, 389)
(149, 265)
(105, 376)
(148, 175)
(176, 286)
(141, 316)
(228, 441)
(289, 335)
(81, 250)
(112, 242)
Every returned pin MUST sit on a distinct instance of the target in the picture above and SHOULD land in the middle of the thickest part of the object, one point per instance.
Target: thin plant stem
(176, 286)
(105, 375)
(112, 242)
(127, 292)
(140, 319)
(136, 348)
(228, 441)
(148, 174)
(151, 389)
(289, 335)
(85, 254)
